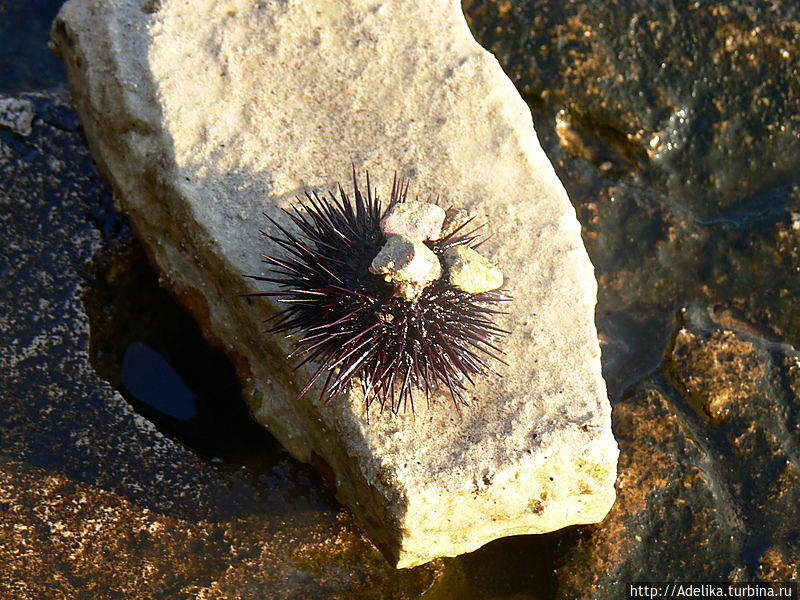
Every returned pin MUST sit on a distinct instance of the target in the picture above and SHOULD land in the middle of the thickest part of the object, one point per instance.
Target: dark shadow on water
(632, 343)
(26, 62)
(149, 349)
(522, 567)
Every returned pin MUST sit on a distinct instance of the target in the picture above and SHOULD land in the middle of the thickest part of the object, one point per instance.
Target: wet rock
(698, 500)
(62, 538)
(419, 220)
(469, 271)
(17, 115)
(77, 539)
(408, 264)
(205, 116)
(717, 371)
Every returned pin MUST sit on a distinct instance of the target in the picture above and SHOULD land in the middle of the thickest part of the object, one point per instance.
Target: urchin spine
(360, 323)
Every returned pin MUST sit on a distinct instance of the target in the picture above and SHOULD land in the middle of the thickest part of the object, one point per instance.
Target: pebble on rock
(419, 220)
(469, 271)
(408, 264)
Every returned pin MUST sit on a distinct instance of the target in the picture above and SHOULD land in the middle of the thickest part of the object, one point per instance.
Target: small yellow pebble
(469, 271)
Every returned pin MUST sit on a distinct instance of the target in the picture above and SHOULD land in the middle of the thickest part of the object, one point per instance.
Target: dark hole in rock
(150, 378)
(153, 352)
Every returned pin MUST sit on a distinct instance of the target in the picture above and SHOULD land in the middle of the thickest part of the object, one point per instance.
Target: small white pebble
(418, 220)
(408, 264)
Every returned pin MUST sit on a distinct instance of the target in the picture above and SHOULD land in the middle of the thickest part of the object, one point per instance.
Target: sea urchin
(359, 323)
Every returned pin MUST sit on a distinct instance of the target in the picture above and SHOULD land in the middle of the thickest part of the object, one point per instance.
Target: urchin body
(357, 325)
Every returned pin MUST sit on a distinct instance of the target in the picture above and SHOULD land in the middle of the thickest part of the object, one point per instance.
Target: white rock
(200, 112)
(420, 220)
(17, 114)
(408, 264)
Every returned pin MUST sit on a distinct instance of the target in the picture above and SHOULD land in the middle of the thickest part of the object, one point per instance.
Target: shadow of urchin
(353, 324)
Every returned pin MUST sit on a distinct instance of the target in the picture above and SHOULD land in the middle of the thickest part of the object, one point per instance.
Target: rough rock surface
(203, 115)
(420, 220)
(17, 115)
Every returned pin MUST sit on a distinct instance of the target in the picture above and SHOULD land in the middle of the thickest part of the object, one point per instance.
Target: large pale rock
(205, 114)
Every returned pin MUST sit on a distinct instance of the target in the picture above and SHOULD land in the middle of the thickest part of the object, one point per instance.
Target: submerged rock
(204, 116)
(708, 488)
(717, 371)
